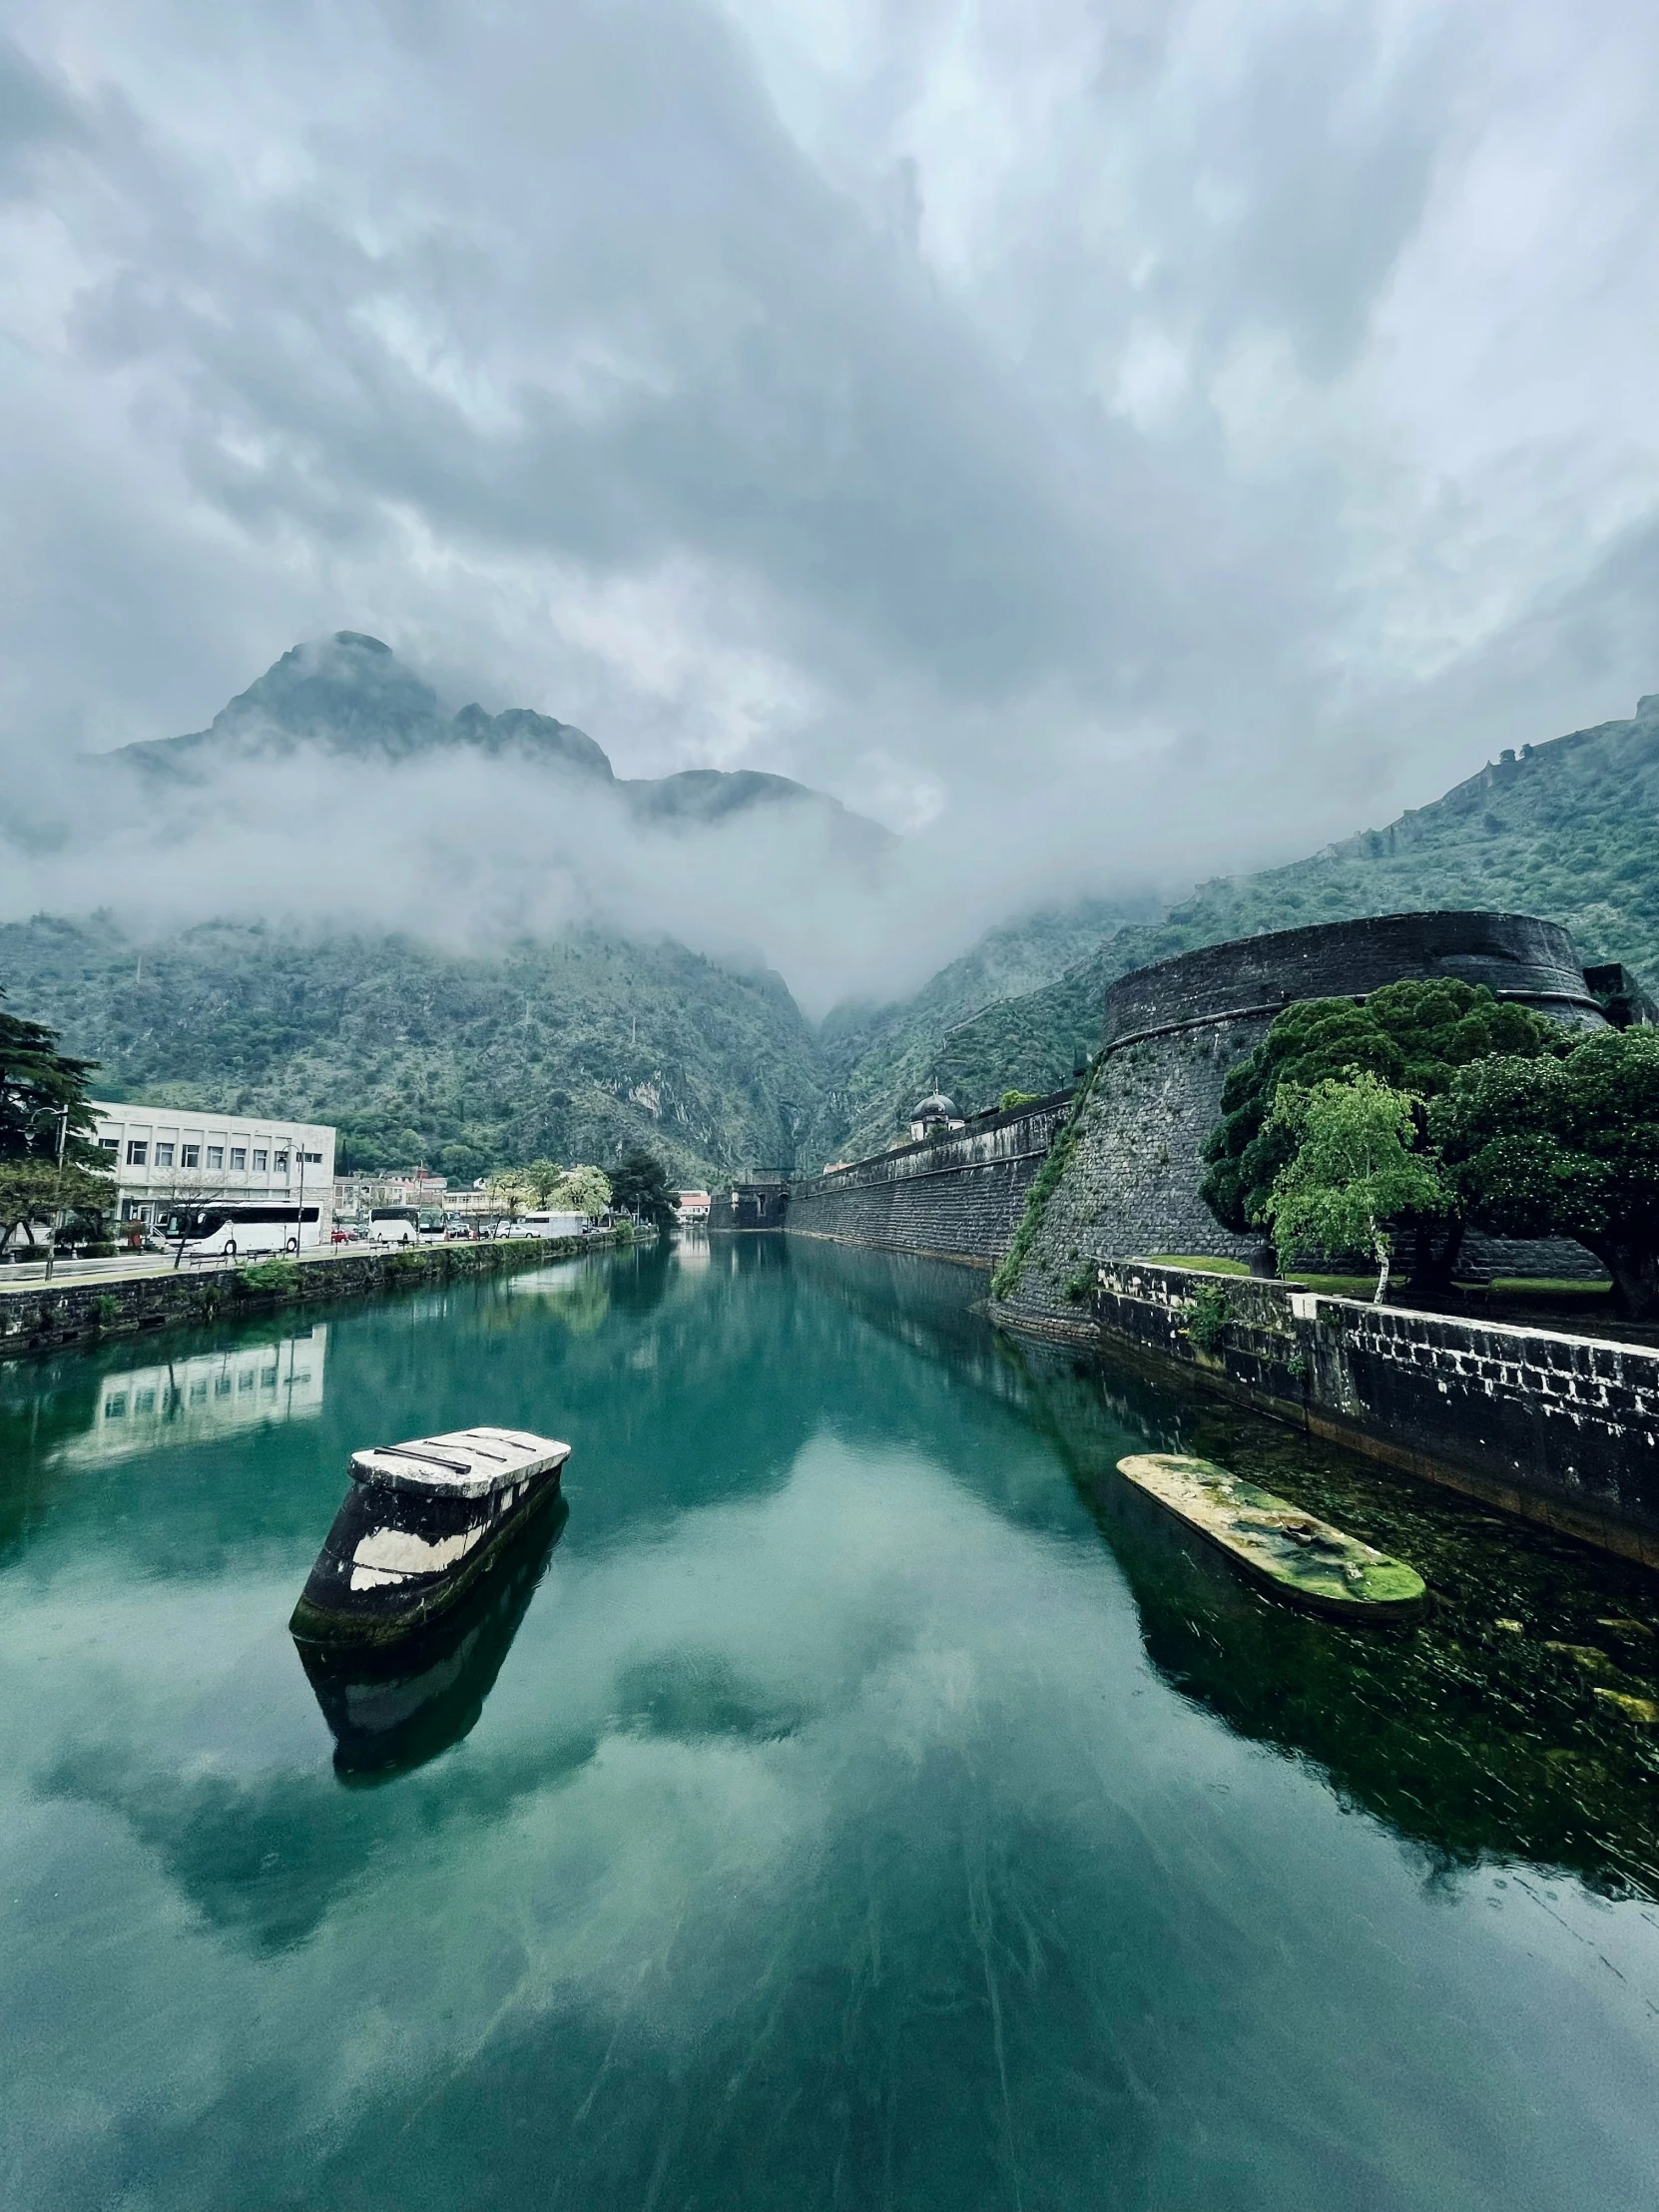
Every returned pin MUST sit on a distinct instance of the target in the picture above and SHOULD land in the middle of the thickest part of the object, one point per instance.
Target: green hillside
(878, 1060)
(1567, 829)
(583, 1047)
(574, 1050)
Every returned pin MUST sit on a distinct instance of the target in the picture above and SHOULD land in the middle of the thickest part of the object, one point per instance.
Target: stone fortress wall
(958, 1196)
(1173, 1032)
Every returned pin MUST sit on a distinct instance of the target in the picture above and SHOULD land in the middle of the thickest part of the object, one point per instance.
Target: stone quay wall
(43, 1317)
(1561, 1429)
(953, 1197)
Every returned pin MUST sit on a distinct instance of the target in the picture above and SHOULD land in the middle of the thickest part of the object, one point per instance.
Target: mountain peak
(349, 694)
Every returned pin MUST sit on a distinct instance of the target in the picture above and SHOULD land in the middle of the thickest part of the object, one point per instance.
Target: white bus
(545, 1225)
(404, 1225)
(235, 1232)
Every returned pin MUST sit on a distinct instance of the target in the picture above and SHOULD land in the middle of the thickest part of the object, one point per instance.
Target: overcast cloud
(1108, 443)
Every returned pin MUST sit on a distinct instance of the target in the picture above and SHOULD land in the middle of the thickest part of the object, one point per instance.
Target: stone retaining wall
(1562, 1430)
(40, 1317)
(957, 1196)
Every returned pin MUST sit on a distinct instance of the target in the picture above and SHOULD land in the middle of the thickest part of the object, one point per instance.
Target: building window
(239, 1156)
(259, 1162)
(215, 1155)
(311, 1159)
(192, 1156)
(281, 1160)
(109, 1144)
(163, 1155)
(137, 1153)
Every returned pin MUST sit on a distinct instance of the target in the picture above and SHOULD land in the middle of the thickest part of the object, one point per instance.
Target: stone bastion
(1173, 1031)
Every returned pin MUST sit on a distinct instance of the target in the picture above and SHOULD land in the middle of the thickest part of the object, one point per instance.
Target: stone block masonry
(1561, 1429)
(957, 1196)
(1172, 1033)
(39, 1317)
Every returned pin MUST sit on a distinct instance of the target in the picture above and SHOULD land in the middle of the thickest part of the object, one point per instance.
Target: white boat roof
(467, 1462)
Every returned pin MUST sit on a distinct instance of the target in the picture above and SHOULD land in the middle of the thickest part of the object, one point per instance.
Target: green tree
(1352, 1169)
(582, 1191)
(640, 1186)
(37, 1084)
(1565, 1148)
(542, 1176)
(511, 1192)
(35, 1190)
(1412, 1037)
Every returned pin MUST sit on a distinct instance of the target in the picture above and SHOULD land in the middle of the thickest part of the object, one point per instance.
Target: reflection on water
(391, 1711)
(868, 1803)
(204, 1395)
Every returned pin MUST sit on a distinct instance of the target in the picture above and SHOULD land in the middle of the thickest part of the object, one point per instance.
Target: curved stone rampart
(1515, 955)
(1174, 1030)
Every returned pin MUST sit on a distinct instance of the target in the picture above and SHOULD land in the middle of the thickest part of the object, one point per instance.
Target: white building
(164, 1157)
(356, 1195)
(694, 1208)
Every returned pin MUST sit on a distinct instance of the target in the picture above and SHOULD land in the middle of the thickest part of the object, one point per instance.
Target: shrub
(279, 1275)
(1208, 1318)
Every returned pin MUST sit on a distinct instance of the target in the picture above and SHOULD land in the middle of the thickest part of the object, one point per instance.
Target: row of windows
(190, 1155)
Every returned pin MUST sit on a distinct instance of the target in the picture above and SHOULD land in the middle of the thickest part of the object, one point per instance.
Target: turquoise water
(859, 1799)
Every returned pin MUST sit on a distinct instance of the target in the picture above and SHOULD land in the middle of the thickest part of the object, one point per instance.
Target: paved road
(128, 1269)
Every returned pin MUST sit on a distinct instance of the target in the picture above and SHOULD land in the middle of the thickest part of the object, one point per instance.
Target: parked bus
(394, 1223)
(545, 1225)
(235, 1232)
(405, 1224)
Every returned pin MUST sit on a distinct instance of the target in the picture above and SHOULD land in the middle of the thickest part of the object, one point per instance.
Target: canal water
(859, 1797)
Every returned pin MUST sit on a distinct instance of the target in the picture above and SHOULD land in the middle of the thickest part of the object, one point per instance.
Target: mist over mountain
(1568, 830)
(350, 696)
(582, 1041)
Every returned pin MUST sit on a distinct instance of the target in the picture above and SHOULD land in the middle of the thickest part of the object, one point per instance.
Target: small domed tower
(933, 1116)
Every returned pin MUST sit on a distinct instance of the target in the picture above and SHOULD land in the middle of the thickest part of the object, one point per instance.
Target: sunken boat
(422, 1521)
(1294, 1554)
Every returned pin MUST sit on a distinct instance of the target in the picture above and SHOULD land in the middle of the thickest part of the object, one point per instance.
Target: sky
(1109, 445)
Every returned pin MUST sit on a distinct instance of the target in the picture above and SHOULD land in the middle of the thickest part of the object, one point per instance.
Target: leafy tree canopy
(34, 1191)
(1352, 1169)
(1538, 1147)
(581, 1190)
(36, 1083)
(513, 1192)
(1411, 1036)
(640, 1185)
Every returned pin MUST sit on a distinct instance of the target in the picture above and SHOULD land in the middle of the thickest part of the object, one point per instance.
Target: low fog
(470, 852)
(1107, 445)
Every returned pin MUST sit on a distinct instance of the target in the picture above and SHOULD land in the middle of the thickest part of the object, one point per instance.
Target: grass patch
(1201, 1262)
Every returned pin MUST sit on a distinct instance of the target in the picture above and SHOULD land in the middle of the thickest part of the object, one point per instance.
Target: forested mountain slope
(1568, 830)
(574, 1050)
(578, 1048)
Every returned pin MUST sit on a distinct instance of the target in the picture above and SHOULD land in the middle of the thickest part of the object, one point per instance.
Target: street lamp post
(61, 1114)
